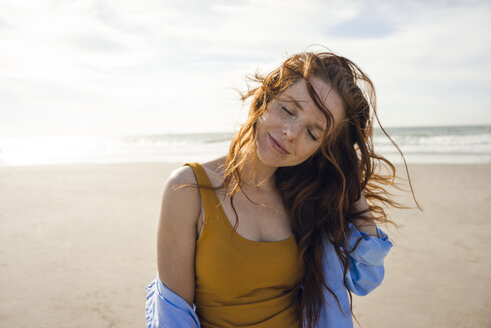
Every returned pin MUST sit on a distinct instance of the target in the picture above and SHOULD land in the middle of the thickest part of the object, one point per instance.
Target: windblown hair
(319, 193)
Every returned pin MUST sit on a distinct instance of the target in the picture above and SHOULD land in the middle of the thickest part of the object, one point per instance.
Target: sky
(144, 67)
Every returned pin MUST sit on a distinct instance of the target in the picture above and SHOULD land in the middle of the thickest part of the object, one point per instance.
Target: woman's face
(292, 127)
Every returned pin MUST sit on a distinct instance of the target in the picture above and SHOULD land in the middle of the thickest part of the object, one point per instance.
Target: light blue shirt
(166, 309)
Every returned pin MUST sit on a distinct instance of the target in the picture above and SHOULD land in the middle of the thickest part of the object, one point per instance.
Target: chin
(271, 163)
(267, 159)
(273, 160)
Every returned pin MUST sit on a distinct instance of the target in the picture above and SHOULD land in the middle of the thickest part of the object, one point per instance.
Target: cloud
(368, 21)
(154, 64)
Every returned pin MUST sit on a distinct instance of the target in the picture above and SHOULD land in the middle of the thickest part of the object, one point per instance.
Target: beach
(77, 245)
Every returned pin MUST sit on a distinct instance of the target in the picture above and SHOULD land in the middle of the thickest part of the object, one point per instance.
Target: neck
(256, 174)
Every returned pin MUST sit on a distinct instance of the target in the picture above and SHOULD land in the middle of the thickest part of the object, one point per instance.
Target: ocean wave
(421, 145)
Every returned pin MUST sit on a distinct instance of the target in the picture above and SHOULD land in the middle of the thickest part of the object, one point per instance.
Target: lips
(277, 145)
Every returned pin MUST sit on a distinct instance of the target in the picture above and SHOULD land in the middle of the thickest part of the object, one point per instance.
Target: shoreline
(177, 163)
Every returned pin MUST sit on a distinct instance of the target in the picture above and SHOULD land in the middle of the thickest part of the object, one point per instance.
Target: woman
(279, 232)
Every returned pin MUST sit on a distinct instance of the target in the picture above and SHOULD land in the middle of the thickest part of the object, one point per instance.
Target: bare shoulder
(181, 193)
(181, 201)
(181, 175)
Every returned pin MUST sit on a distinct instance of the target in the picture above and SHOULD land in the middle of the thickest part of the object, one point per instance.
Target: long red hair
(319, 193)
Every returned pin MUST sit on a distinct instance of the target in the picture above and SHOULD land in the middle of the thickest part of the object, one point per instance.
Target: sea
(436, 144)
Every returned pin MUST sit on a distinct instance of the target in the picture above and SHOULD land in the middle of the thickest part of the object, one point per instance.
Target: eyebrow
(297, 104)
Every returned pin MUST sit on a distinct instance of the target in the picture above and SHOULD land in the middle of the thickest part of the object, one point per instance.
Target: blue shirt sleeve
(367, 261)
(166, 309)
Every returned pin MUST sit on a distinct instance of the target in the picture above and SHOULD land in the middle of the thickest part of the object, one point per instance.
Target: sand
(77, 247)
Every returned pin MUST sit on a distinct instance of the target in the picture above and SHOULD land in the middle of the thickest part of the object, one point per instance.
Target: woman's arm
(363, 225)
(366, 267)
(367, 259)
(176, 233)
(170, 296)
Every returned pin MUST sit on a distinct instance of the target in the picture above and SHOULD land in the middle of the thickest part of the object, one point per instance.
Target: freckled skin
(293, 128)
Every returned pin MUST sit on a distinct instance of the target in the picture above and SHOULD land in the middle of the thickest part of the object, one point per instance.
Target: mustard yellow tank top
(241, 282)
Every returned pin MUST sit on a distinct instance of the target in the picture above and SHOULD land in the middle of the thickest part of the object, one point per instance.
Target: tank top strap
(206, 191)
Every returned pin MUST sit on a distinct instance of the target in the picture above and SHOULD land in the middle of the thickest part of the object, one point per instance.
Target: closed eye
(286, 110)
(311, 135)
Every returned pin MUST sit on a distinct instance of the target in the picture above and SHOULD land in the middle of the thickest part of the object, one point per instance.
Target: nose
(291, 131)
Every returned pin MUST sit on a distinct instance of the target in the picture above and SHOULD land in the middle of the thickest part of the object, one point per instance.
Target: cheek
(261, 120)
(269, 120)
(260, 127)
(261, 132)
